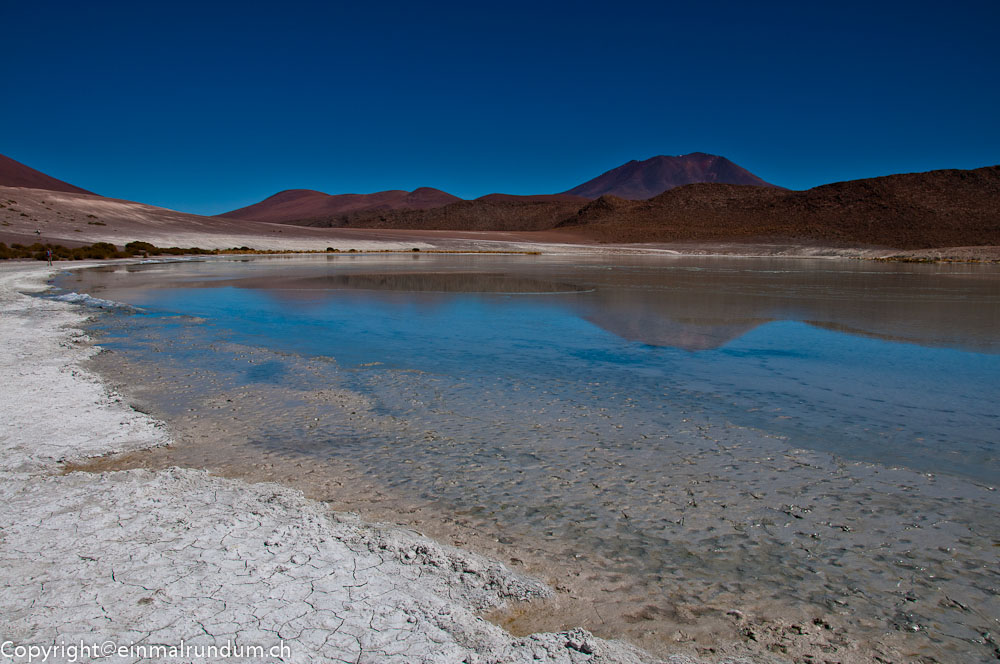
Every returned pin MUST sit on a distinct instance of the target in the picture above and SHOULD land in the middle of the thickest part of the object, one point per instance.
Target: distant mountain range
(917, 210)
(15, 174)
(636, 180)
(946, 208)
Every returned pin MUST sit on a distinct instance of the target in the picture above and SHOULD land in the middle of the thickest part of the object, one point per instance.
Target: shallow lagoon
(895, 364)
(677, 432)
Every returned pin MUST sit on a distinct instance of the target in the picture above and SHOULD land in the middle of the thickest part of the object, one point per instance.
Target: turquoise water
(727, 337)
(653, 432)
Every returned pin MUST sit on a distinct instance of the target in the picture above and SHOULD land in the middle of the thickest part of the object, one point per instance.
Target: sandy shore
(157, 558)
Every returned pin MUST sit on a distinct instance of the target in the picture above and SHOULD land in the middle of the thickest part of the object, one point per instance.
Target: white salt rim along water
(156, 558)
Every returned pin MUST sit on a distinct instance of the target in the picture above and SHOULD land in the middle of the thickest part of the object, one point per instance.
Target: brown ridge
(297, 204)
(910, 211)
(634, 180)
(945, 208)
(15, 174)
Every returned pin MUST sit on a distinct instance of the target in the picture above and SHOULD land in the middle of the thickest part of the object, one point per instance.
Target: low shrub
(96, 251)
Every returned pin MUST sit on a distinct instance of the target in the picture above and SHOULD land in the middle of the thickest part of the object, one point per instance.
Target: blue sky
(205, 107)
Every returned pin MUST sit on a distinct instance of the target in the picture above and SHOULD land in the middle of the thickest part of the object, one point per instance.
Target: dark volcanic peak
(306, 204)
(15, 174)
(639, 180)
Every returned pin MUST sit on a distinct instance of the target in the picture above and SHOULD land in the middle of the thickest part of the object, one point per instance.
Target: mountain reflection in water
(692, 303)
(671, 432)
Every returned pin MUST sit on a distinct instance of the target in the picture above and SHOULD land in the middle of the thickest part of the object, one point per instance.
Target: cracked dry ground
(159, 557)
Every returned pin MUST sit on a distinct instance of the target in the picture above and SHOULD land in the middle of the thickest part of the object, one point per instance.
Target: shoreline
(158, 557)
(821, 514)
(698, 609)
(987, 255)
(37, 215)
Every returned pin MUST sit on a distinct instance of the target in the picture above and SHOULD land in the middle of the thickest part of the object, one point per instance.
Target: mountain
(639, 180)
(15, 174)
(945, 208)
(296, 205)
(634, 180)
(29, 215)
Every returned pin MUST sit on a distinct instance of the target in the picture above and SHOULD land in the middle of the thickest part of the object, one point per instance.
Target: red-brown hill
(639, 180)
(490, 213)
(908, 211)
(15, 174)
(294, 205)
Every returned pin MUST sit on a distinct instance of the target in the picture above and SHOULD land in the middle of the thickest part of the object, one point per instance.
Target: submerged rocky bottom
(653, 520)
(176, 564)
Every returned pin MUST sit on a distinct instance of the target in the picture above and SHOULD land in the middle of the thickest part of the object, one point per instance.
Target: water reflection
(406, 282)
(588, 407)
(699, 311)
(689, 303)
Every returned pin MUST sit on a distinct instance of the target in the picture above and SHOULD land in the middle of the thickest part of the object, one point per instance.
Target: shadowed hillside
(490, 213)
(295, 205)
(946, 208)
(915, 210)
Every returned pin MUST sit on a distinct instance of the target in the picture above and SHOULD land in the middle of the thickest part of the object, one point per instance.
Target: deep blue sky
(205, 107)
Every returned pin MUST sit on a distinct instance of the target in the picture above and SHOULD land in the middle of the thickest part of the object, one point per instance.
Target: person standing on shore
(48, 256)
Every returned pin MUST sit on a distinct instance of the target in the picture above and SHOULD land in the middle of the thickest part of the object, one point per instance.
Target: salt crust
(160, 557)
